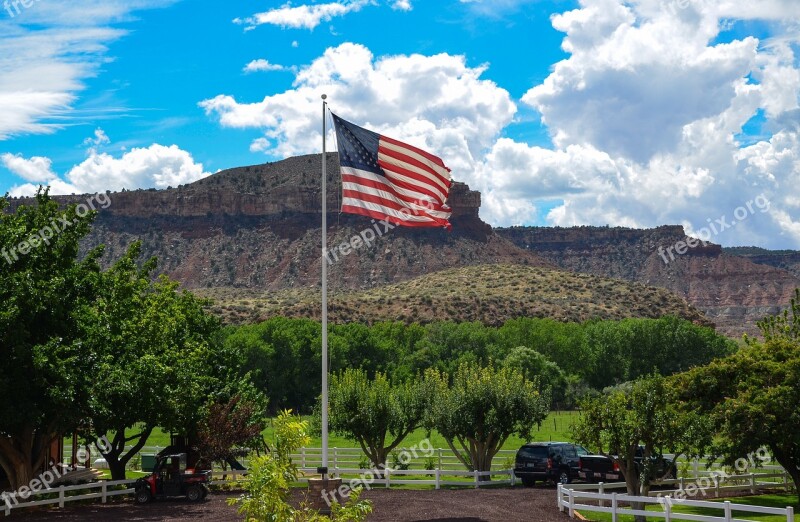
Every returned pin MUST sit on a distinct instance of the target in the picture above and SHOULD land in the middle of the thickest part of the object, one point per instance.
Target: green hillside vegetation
(490, 294)
(283, 355)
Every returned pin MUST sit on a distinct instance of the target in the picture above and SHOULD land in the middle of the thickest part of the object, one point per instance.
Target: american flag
(389, 180)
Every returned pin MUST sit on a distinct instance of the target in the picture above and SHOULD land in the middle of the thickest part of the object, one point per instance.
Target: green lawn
(780, 501)
(555, 427)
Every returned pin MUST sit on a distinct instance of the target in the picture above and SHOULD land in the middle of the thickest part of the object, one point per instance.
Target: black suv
(553, 461)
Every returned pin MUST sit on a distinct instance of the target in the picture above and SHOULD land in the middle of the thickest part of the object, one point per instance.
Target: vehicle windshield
(532, 452)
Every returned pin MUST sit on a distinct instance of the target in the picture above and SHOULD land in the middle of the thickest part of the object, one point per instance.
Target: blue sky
(599, 112)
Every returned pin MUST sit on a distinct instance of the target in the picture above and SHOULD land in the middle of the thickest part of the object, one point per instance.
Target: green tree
(481, 408)
(644, 412)
(270, 477)
(535, 366)
(370, 410)
(46, 369)
(155, 364)
(785, 325)
(752, 396)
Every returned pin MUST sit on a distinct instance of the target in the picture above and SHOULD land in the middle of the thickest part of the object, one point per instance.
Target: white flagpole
(324, 293)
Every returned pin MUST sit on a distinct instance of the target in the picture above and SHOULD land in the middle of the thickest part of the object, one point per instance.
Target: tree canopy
(479, 408)
(752, 396)
(43, 290)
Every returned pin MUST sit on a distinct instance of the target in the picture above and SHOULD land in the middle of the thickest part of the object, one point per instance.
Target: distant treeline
(284, 355)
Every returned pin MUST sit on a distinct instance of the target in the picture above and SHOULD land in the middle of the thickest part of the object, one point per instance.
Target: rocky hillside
(491, 294)
(259, 227)
(788, 260)
(250, 229)
(732, 290)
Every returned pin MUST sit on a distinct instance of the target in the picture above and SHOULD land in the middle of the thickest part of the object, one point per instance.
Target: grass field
(556, 427)
(780, 501)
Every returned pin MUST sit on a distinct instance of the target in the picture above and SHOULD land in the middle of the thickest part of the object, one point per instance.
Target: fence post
(681, 483)
(728, 515)
(61, 496)
(614, 507)
(601, 488)
(303, 456)
(559, 498)
(789, 514)
(696, 468)
(716, 486)
(752, 483)
(386, 476)
(438, 478)
(104, 490)
(571, 503)
(667, 509)
(475, 474)
(335, 458)
(513, 478)
(440, 458)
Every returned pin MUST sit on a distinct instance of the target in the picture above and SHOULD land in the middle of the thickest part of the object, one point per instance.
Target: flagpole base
(322, 492)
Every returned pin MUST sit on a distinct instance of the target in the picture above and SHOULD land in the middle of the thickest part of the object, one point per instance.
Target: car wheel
(194, 493)
(563, 477)
(528, 482)
(143, 496)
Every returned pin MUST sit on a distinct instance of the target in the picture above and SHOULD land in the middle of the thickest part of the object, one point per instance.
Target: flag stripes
(386, 179)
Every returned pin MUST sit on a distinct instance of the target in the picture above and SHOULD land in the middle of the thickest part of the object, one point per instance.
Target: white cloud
(303, 16)
(260, 145)
(495, 8)
(402, 5)
(46, 54)
(35, 169)
(156, 166)
(100, 138)
(435, 102)
(261, 65)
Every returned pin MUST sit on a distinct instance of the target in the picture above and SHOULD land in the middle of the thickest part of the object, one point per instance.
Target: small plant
(364, 463)
(270, 477)
(397, 462)
(509, 462)
(430, 463)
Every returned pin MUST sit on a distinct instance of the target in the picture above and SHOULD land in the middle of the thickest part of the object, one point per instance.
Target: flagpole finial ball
(324, 96)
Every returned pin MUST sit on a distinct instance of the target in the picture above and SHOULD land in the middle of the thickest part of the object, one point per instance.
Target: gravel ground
(397, 505)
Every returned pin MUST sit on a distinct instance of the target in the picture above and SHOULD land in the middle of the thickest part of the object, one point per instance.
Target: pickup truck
(599, 468)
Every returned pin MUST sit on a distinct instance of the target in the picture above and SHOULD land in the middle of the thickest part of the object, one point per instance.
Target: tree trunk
(634, 486)
(116, 467)
(789, 465)
(23, 455)
(116, 458)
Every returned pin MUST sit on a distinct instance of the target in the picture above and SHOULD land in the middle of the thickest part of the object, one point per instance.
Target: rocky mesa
(257, 228)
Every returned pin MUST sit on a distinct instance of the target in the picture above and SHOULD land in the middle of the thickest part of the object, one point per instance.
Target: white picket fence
(438, 458)
(386, 478)
(66, 494)
(569, 497)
